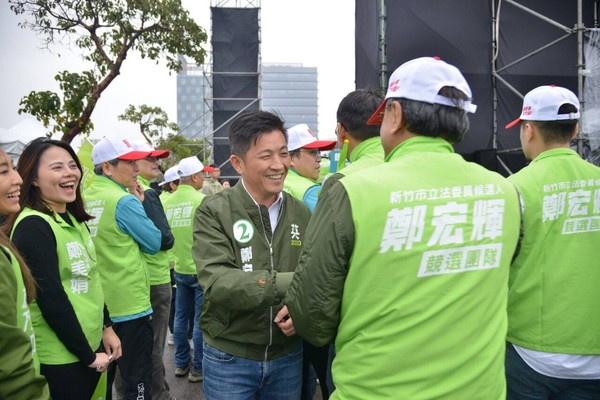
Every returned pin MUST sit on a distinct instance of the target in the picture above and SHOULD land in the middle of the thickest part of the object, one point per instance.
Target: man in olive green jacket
(247, 241)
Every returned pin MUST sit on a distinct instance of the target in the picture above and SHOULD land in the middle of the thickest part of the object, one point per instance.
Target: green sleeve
(315, 294)
(18, 379)
(224, 283)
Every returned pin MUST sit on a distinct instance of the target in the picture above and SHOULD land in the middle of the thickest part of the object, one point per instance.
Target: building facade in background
(291, 90)
(287, 89)
(194, 101)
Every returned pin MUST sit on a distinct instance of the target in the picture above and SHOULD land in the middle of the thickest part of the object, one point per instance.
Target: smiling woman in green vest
(19, 375)
(73, 337)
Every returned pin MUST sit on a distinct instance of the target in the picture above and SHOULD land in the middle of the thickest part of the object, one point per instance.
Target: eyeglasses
(312, 152)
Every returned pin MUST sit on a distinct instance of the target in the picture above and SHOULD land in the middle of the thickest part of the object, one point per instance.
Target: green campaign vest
(163, 196)
(180, 209)
(81, 283)
(297, 185)
(425, 294)
(23, 313)
(553, 288)
(121, 265)
(367, 154)
(158, 264)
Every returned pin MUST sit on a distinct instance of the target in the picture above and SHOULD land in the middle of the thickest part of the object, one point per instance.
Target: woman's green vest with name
(81, 283)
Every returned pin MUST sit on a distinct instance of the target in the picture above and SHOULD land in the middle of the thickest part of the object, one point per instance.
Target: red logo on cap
(394, 85)
(527, 110)
(311, 132)
(126, 143)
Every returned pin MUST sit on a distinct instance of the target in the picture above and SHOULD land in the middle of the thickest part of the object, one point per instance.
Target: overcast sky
(316, 33)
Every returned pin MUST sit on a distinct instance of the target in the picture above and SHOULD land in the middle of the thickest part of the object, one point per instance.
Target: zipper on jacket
(270, 243)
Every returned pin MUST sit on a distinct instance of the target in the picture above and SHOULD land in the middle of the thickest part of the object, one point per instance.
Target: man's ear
(237, 163)
(397, 116)
(529, 131)
(106, 170)
(342, 134)
(292, 157)
(575, 131)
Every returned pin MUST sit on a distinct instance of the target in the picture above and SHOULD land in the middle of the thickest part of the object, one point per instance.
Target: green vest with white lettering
(158, 264)
(180, 209)
(121, 265)
(81, 283)
(23, 314)
(425, 294)
(297, 185)
(553, 289)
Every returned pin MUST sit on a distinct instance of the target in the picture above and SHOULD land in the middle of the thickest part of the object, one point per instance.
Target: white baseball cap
(543, 103)
(191, 165)
(170, 175)
(421, 80)
(300, 136)
(115, 148)
(142, 145)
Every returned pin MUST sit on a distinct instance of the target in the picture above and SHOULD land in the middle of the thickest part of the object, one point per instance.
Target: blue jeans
(524, 383)
(188, 299)
(227, 377)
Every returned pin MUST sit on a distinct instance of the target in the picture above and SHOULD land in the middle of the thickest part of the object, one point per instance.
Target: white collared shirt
(273, 210)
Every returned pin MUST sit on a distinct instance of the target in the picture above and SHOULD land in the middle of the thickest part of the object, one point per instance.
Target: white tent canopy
(14, 139)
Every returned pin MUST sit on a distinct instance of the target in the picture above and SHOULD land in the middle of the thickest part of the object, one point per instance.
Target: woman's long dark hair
(31, 196)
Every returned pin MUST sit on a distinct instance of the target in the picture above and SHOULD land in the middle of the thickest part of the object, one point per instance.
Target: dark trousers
(318, 357)
(524, 383)
(70, 381)
(135, 365)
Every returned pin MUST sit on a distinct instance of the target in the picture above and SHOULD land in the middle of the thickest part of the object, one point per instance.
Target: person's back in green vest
(409, 271)
(553, 312)
(364, 145)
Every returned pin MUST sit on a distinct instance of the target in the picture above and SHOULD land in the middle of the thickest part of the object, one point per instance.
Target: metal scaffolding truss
(500, 62)
(235, 3)
(497, 78)
(207, 72)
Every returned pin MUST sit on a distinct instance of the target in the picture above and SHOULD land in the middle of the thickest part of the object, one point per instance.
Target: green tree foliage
(180, 147)
(105, 31)
(152, 121)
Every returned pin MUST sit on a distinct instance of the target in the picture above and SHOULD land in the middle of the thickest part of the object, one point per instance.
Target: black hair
(355, 109)
(29, 162)
(247, 128)
(560, 131)
(436, 120)
(98, 167)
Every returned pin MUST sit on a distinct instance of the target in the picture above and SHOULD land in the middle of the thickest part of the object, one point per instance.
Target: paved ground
(181, 389)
